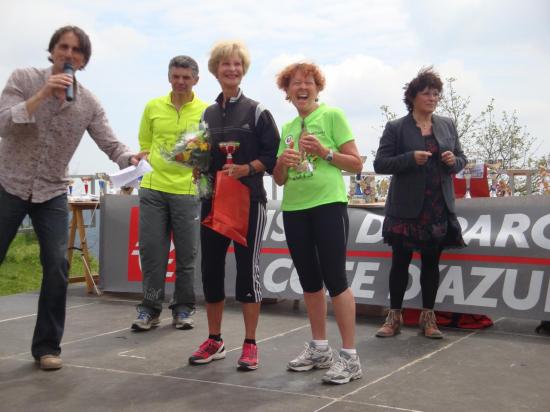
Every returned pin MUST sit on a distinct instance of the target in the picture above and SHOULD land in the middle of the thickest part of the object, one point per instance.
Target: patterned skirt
(414, 234)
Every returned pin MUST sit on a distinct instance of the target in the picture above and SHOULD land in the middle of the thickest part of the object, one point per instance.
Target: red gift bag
(479, 186)
(230, 208)
(453, 320)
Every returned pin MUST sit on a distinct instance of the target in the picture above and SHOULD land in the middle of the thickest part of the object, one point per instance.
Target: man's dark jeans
(50, 221)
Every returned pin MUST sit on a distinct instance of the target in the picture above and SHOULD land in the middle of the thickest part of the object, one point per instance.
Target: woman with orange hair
(315, 147)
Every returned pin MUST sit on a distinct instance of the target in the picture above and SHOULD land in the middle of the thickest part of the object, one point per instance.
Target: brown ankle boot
(392, 325)
(428, 324)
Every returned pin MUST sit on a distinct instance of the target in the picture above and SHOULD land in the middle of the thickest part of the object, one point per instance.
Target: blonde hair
(227, 48)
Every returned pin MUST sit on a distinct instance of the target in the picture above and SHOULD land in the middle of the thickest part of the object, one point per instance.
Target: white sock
(349, 351)
(321, 344)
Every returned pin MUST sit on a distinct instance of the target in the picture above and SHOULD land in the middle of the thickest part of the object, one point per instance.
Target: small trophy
(493, 175)
(102, 182)
(468, 178)
(503, 188)
(229, 148)
(70, 187)
(305, 166)
(493, 187)
(358, 191)
(358, 195)
(86, 181)
(368, 186)
(382, 189)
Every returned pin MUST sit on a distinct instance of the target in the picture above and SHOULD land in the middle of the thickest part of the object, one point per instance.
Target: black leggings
(317, 240)
(214, 246)
(399, 275)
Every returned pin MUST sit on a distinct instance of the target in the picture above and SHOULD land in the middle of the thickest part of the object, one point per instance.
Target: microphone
(69, 92)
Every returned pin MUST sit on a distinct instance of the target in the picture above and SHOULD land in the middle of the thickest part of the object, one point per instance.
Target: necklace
(424, 125)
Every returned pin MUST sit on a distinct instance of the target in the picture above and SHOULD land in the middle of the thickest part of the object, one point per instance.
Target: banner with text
(504, 271)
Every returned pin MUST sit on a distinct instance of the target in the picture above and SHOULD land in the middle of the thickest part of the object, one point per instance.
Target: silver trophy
(357, 192)
(305, 166)
(468, 177)
(493, 173)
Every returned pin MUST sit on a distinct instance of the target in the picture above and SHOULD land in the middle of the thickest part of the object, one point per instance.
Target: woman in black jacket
(421, 151)
(235, 117)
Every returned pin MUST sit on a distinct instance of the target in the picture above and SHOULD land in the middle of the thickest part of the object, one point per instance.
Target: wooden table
(77, 222)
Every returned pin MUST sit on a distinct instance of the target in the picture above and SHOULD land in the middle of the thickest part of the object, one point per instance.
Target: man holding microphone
(43, 116)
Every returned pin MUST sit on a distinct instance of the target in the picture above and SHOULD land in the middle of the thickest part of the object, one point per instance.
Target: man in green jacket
(168, 201)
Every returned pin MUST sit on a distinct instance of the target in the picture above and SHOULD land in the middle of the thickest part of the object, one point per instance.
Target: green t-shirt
(325, 183)
(161, 126)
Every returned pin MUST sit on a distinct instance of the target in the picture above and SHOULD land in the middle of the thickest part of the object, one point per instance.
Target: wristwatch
(251, 170)
(330, 155)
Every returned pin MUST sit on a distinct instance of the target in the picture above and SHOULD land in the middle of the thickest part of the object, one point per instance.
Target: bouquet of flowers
(192, 150)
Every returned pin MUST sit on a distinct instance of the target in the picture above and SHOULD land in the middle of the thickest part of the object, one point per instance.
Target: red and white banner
(504, 271)
(134, 263)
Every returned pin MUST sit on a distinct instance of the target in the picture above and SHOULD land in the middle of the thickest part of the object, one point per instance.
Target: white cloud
(120, 43)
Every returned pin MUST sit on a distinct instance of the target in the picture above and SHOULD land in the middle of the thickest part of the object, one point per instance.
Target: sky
(367, 49)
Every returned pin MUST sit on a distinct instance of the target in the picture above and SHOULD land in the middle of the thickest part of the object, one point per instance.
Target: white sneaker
(310, 358)
(183, 319)
(345, 369)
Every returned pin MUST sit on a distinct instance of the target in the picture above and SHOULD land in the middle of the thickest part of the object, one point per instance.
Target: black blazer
(395, 156)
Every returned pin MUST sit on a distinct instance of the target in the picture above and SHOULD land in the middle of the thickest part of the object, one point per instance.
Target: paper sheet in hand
(476, 172)
(130, 175)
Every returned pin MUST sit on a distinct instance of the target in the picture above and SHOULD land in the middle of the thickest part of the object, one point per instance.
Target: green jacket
(161, 126)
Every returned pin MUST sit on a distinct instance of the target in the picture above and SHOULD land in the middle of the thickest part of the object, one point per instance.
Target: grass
(21, 270)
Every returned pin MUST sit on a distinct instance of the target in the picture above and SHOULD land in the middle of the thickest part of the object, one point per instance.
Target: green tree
(456, 107)
(387, 115)
(504, 140)
(484, 136)
(538, 184)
